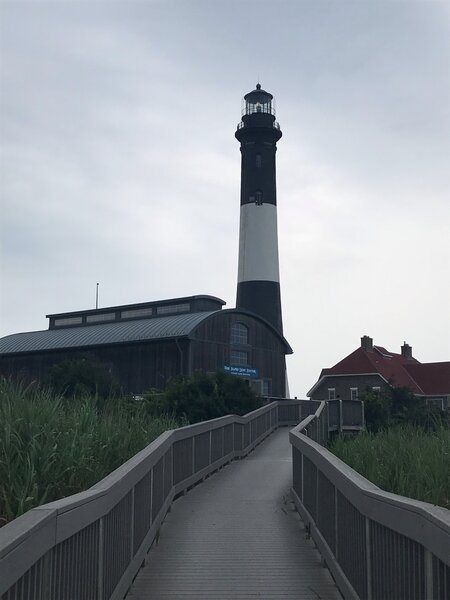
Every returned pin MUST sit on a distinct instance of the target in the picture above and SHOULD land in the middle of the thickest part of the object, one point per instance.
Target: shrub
(202, 397)
(82, 376)
(398, 405)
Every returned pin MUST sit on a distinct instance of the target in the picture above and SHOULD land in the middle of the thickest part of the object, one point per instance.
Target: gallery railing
(378, 545)
(91, 545)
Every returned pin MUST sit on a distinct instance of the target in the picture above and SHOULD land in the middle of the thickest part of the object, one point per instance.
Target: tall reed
(51, 447)
(404, 460)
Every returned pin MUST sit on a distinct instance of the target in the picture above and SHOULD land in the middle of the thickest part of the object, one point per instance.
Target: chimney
(406, 351)
(367, 343)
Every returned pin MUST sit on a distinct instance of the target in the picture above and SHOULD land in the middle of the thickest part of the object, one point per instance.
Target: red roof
(428, 378)
(432, 378)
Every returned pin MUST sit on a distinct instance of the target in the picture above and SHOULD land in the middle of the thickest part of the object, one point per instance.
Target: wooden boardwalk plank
(237, 536)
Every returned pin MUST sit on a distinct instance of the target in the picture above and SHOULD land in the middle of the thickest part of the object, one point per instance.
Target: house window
(376, 389)
(331, 393)
(258, 161)
(258, 198)
(439, 402)
(239, 358)
(239, 334)
(266, 387)
(354, 393)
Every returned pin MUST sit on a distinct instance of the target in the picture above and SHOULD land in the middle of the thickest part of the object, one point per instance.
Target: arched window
(239, 334)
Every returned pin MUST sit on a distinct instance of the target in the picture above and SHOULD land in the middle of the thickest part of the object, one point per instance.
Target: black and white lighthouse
(258, 132)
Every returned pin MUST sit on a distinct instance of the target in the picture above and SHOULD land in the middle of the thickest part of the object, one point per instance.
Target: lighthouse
(258, 132)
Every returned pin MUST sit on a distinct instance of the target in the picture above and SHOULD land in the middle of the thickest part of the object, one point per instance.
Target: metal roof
(105, 333)
(167, 302)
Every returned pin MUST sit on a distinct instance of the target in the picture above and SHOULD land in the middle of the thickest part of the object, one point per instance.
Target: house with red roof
(374, 368)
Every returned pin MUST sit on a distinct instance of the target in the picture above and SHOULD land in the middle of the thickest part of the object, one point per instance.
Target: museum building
(144, 345)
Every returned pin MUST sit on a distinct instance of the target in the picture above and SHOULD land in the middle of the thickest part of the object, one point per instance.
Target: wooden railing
(91, 545)
(378, 545)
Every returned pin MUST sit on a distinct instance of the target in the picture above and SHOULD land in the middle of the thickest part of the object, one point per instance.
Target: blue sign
(242, 371)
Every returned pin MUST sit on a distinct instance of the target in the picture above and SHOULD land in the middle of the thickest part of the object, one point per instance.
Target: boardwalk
(236, 536)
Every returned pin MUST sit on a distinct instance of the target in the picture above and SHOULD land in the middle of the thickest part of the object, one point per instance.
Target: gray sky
(119, 162)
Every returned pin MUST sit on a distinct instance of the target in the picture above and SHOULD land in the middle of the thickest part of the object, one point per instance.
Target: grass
(51, 447)
(404, 460)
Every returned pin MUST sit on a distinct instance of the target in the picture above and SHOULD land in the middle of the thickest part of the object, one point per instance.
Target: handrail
(378, 545)
(91, 544)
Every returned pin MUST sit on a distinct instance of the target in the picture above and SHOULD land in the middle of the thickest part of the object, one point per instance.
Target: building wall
(144, 365)
(343, 383)
(138, 367)
(211, 349)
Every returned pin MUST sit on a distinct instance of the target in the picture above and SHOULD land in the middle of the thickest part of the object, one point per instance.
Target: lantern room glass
(252, 106)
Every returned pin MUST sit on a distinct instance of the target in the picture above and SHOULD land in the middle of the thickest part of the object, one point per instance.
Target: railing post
(336, 525)
(172, 470)
(428, 559)
(101, 533)
(328, 419)
(132, 524)
(303, 476)
(317, 497)
(210, 447)
(47, 575)
(163, 472)
(369, 560)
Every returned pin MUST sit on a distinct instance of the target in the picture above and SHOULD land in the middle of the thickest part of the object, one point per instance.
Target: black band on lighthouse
(262, 298)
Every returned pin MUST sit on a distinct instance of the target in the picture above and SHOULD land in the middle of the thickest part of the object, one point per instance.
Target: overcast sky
(119, 162)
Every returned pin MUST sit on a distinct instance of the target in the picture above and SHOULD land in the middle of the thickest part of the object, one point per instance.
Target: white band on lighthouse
(258, 243)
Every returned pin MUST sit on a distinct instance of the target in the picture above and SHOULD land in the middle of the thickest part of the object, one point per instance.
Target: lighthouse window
(258, 198)
(239, 334)
(258, 161)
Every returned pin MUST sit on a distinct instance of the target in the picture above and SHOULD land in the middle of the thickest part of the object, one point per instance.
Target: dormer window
(68, 322)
